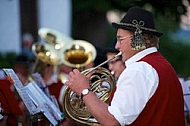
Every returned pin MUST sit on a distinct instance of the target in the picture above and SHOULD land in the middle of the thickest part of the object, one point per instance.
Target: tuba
(101, 82)
(78, 54)
(49, 52)
(53, 37)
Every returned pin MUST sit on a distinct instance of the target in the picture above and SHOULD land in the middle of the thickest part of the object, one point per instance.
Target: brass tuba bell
(78, 54)
(48, 52)
(54, 37)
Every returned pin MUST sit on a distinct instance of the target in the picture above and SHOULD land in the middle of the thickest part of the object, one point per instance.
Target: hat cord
(138, 42)
(135, 23)
(140, 24)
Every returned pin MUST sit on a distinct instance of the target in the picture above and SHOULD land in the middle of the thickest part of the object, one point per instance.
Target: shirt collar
(140, 55)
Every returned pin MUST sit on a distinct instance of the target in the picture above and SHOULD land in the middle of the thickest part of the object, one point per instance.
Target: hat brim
(133, 29)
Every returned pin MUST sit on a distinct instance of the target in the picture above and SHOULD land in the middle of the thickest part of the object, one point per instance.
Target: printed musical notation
(35, 99)
(1, 116)
(21, 91)
(46, 106)
(39, 80)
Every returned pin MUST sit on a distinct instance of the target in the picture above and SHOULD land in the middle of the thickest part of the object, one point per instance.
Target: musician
(148, 91)
(21, 67)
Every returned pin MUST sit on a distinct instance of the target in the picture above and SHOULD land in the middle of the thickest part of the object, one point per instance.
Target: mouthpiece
(112, 72)
(119, 54)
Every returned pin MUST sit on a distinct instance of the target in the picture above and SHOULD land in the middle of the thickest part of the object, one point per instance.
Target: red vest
(166, 106)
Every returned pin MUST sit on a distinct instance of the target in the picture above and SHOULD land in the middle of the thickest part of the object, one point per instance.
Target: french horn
(102, 83)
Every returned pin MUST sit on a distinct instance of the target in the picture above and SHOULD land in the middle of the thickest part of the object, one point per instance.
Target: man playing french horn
(148, 91)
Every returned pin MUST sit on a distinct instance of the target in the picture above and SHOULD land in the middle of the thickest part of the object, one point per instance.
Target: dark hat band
(137, 26)
(132, 27)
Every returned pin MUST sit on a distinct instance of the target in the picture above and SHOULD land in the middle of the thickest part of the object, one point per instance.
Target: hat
(138, 18)
(111, 47)
(21, 59)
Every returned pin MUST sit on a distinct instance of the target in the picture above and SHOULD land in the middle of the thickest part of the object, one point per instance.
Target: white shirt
(135, 86)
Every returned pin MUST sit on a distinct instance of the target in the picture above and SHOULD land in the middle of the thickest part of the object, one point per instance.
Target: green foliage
(171, 8)
(177, 53)
(99, 6)
(7, 59)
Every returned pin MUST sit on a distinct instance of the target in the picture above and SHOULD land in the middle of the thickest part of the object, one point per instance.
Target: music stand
(35, 99)
(186, 95)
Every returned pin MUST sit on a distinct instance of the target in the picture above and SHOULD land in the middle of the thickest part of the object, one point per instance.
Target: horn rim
(89, 50)
(60, 38)
(54, 56)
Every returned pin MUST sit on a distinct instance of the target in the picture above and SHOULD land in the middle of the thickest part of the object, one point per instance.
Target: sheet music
(1, 110)
(186, 95)
(35, 99)
(54, 100)
(44, 104)
(21, 91)
(2, 75)
(39, 80)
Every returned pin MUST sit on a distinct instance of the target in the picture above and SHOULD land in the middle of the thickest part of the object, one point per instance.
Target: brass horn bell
(78, 54)
(47, 53)
(54, 37)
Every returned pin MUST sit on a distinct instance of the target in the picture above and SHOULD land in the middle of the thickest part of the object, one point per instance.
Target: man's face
(124, 44)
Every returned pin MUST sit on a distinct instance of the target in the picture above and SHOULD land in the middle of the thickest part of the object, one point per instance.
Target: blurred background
(90, 20)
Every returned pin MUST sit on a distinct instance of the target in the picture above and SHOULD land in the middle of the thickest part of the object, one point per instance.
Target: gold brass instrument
(58, 41)
(54, 37)
(48, 52)
(78, 54)
(101, 82)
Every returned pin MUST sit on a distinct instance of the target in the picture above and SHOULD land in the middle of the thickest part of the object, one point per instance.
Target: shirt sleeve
(135, 86)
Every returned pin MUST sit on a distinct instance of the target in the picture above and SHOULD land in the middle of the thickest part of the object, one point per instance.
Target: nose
(110, 67)
(117, 46)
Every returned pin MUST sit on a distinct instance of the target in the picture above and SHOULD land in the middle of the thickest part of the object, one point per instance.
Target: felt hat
(138, 18)
(111, 47)
(21, 59)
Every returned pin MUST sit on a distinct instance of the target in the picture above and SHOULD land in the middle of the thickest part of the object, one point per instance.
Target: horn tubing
(119, 54)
